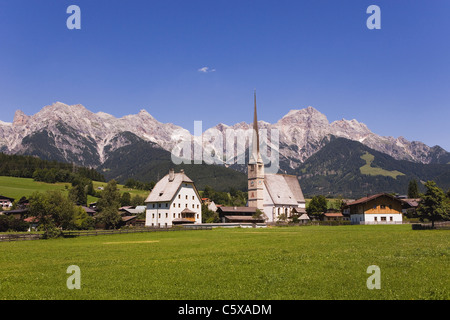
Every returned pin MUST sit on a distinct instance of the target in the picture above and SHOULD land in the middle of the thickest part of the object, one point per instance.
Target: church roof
(283, 189)
(166, 189)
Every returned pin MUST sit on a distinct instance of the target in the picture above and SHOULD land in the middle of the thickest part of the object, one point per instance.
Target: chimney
(171, 174)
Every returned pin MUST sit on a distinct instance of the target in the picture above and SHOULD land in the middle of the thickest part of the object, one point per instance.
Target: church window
(179, 196)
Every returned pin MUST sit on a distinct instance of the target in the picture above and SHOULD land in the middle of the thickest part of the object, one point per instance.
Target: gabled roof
(8, 198)
(369, 198)
(284, 189)
(186, 210)
(237, 209)
(412, 202)
(166, 189)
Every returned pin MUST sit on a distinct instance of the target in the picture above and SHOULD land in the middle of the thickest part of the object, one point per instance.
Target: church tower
(255, 169)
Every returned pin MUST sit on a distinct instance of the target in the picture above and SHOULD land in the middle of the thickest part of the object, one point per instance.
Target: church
(273, 194)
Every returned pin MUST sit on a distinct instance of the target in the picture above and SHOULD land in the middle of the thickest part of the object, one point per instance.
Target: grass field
(23, 187)
(19, 187)
(374, 171)
(313, 262)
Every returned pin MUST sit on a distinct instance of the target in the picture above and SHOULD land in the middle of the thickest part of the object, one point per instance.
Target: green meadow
(374, 171)
(310, 262)
(24, 187)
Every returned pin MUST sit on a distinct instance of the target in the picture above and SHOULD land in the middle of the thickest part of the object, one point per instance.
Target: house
(212, 206)
(129, 220)
(333, 216)
(6, 202)
(238, 214)
(410, 205)
(273, 194)
(173, 200)
(304, 218)
(89, 211)
(380, 208)
(16, 213)
(129, 210)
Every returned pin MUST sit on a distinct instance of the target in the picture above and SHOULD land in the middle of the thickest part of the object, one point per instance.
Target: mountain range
(72, 133)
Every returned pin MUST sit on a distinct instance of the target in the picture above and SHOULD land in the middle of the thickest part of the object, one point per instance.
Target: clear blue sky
(132, 55)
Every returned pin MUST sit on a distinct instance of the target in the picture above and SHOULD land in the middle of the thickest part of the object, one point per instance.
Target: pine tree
(108, 205)
(434, 205)
(413, 189)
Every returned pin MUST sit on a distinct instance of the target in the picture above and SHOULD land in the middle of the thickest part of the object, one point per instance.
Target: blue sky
(132, 55)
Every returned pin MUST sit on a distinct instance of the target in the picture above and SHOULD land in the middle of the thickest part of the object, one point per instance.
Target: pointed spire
(255, 124)
(255, 156)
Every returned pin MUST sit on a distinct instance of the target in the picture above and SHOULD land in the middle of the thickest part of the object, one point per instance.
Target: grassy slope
(374, 171)
(273, 263)
(19, 187)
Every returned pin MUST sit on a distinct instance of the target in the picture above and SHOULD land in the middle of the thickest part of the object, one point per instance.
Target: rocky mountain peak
(20, 118)
(302, 132)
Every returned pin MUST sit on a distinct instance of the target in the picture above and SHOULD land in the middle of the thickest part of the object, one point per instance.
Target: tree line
(44, 170)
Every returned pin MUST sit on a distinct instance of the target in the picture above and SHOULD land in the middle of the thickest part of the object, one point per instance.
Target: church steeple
(255, 168)
(255, 156)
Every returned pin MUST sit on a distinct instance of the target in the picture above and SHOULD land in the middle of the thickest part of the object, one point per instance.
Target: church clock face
(252, 183)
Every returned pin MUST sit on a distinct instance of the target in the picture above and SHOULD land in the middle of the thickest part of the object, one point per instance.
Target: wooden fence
(20, 236)
(426, 226)
(72, 234)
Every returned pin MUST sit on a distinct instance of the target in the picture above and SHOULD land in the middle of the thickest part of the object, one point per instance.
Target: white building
(173, 200)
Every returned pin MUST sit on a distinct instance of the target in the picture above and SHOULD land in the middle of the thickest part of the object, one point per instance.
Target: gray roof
(283, 189)
(237, 209)
(165, 190)
(304, 217)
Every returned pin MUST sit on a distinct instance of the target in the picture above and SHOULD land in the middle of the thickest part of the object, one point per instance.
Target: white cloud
(206, 70)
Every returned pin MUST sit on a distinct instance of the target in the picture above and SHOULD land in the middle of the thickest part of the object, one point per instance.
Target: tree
(108, 205)
(54, 212)
(78, 195)
(209, 216)
(317, 206)
(413, 189)
(125, 200)
(137, 200)
(434, 205)
(258, 214)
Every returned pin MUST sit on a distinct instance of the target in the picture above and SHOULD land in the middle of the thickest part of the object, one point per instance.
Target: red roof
(31, 219)
(333, 214)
